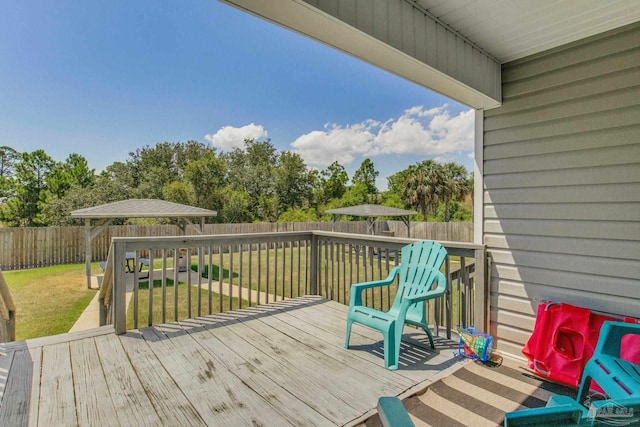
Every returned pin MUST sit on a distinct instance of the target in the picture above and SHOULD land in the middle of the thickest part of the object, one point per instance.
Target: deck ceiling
(513, 29)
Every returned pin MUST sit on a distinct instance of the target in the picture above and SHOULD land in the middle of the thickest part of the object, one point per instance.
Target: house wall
(562, 183)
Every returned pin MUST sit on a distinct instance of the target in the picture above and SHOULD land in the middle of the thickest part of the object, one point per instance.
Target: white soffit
(513, 29)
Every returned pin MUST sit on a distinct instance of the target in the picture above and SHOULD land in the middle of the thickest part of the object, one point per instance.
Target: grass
(156, 283)
(216, 272)
(48, 300)
(143, 304)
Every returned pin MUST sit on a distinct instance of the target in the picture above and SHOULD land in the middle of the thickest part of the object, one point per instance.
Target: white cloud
(228, 137)
(425, 132)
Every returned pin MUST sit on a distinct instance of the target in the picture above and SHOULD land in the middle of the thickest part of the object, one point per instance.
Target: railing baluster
(259, 287)
(380, 290)
(313, 265)
(231, 274)
(351, 282)
(388, 290)
(448, 305)
(241, 263)
(199, 284)
(267, 272)
(325, 243)
(150, 279)
(291, 270)
(283, 273)
(210, 281)
(250, 274)
(164, 286)
(176, 271)
(344, 273)
(339, 269)
(188, 256)
(332, 265)
(135, 291)
(220, 276)
(275, 272)
(299, 269)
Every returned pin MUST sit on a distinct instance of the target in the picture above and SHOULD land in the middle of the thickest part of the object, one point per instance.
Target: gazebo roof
(142, 208)
(370, 211)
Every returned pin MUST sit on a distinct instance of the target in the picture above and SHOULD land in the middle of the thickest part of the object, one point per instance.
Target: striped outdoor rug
(478, 395)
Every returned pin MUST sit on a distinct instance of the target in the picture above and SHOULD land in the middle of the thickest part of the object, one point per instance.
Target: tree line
(255, 183)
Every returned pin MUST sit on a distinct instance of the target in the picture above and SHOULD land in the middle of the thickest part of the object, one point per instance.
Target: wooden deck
(274, 365)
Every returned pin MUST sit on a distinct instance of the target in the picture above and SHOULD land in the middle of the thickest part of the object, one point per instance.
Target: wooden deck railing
(235, 271)
(7, 312)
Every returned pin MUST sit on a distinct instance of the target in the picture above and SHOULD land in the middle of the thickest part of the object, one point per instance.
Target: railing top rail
(286, 235)
(362, 238)
(161, 242)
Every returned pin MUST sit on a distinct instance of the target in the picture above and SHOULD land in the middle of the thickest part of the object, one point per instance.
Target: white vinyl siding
(562, 183)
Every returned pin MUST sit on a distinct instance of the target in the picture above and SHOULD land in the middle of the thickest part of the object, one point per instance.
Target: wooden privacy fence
(31, 247)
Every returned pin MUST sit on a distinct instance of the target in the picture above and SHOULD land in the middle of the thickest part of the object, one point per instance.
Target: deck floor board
(90, 383)
(283, 400)
(278, 364)
(131, 404)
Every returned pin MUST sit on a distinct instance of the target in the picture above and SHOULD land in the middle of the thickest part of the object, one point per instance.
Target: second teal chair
(417, 273)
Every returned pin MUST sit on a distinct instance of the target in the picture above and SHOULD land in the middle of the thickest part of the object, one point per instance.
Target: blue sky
(102, 78)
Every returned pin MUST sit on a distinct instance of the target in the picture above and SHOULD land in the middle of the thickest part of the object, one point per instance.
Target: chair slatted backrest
(419, 263)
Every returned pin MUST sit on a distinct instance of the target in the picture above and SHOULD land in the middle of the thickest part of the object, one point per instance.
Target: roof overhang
(454, 47)
(472, 77)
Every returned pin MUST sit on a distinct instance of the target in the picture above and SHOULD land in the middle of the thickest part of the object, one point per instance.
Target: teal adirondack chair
(418, 271)
(619, 379)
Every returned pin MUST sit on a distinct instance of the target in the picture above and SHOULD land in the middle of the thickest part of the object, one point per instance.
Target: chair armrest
(357, 288)
(567, 414)
(438, 291)
(393, 413)
(611, 336)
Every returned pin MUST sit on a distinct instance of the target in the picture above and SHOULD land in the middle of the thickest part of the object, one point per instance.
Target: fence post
(314, 264)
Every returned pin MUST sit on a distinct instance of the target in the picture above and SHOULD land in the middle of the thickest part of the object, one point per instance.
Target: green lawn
(48, 300)
(143, 304)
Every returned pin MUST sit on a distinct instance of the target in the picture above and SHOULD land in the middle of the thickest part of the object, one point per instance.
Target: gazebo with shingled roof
(371, 212)
(135, 208)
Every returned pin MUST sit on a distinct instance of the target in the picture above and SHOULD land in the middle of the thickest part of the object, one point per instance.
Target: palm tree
(421, 184)
(454, 185)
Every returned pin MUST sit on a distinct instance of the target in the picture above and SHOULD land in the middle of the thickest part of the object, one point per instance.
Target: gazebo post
(407, 222)
(370, 223)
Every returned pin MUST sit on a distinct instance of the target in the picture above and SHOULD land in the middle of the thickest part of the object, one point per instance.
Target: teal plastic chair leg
(391, 348)
(346, 342)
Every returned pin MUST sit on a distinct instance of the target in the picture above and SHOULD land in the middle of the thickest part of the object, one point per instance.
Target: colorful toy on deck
(474, 345)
